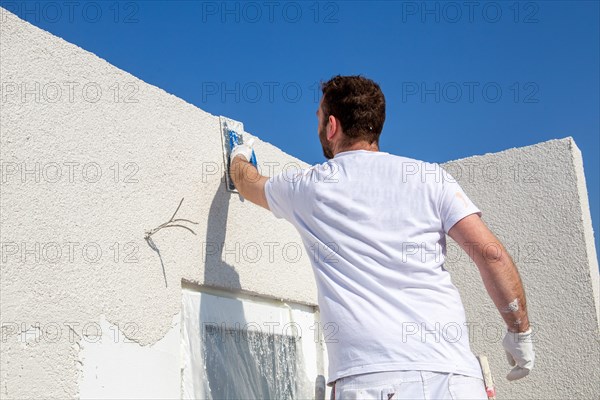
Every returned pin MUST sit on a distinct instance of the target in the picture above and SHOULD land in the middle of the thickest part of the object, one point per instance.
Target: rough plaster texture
(174, 151)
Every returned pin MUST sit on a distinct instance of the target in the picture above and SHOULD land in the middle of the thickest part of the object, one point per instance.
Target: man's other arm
(498, 271)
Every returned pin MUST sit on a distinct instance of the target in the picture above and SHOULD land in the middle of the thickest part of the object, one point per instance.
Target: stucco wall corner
(586, 221)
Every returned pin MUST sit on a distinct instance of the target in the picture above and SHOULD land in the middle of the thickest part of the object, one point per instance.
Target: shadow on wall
(217, 271)
(218, 351)
(240, 362)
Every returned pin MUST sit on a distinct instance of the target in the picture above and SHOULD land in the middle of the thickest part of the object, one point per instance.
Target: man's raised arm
(246, 178)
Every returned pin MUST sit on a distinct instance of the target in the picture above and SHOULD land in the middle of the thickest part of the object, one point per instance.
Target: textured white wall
(171, 148)
(165, 150)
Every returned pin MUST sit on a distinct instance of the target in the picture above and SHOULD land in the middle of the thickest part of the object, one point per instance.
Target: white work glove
(519, 353)
(243, 150)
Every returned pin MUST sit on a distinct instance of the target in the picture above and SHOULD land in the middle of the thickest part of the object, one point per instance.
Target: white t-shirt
(374, 226)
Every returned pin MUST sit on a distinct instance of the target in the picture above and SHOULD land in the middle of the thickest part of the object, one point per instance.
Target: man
(375, 225)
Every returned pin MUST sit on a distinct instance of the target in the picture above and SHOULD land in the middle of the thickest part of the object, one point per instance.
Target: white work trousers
(405, 385)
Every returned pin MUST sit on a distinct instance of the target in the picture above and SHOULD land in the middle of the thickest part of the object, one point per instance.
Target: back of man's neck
(361, 145)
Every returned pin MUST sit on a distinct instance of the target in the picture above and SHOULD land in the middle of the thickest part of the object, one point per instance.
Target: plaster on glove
(238, 147)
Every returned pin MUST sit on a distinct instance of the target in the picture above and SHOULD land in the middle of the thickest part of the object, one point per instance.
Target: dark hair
(358, 103)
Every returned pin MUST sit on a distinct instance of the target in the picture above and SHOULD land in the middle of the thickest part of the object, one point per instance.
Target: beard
(324, 144)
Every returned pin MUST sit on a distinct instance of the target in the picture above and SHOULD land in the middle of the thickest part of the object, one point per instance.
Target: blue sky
(460, 78)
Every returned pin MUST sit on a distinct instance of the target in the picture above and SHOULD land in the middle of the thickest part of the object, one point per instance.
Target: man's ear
(332, 127)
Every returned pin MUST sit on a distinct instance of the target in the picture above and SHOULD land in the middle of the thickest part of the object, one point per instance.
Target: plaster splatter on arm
(513, 306)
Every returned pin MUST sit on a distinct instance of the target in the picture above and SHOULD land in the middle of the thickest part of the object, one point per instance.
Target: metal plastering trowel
(232, 133)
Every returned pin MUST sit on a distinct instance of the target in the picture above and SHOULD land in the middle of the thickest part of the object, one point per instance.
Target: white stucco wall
(165, 149)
